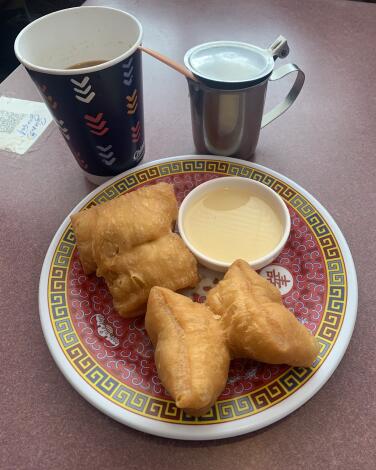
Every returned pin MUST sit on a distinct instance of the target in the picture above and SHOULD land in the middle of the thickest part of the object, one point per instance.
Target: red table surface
(326, 143)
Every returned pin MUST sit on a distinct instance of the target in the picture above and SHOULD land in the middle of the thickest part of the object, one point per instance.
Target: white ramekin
(259, 189)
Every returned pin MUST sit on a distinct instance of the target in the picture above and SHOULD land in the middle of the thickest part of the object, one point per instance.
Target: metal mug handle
(291, 96)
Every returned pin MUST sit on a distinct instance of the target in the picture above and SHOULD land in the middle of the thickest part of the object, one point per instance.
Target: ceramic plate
(109, 359)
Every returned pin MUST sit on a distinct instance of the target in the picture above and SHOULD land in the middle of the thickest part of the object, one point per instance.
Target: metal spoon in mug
(171, 63)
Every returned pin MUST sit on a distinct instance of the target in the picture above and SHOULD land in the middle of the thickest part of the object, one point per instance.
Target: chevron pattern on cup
(80, 161)
(97, 124)
(138, 155)
(136, 132)
(132, 104)
(63, 129)
(106, 154)
(49, 98)
(128, 72)
(83, 90)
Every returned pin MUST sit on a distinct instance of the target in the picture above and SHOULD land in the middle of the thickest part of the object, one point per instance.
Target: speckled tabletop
(326, 143)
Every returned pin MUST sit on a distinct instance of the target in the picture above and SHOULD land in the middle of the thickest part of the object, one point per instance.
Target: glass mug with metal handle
(227, 100)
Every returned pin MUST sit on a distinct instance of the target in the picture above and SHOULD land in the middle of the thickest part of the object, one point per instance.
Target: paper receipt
(21, 123)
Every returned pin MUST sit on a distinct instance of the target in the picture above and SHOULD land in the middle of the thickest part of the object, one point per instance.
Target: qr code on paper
(9, 121)
(21, 123)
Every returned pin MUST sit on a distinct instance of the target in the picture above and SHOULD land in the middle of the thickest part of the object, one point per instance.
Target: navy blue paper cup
(99, 106)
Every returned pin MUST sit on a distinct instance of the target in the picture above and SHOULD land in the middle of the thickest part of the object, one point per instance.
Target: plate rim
(218, 430)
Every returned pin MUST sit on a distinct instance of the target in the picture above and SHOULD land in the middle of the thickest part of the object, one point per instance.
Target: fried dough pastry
(130, 275)
(256, 323)
(142, 216)
(129, 242)
(191, 356)
(84, 224)
(123, 223)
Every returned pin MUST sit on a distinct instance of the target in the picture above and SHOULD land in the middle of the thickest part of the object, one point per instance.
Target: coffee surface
(88, 63)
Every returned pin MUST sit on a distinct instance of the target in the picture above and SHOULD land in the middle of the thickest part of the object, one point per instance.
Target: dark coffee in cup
(88, 63)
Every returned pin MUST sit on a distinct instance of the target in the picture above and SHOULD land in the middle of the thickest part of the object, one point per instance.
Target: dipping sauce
(230, 223)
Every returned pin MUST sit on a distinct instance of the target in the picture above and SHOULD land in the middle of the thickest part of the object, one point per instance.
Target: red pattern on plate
(122, 346)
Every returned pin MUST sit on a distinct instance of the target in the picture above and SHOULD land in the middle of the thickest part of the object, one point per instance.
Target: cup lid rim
(214, 44)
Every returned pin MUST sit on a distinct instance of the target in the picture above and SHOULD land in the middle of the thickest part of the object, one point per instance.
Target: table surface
(326, 143)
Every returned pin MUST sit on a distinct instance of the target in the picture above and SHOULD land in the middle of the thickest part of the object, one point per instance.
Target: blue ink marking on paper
(32, 127)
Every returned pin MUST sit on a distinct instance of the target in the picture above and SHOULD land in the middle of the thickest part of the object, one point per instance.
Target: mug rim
(231, 83)
(85, 70)
(212, 86)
